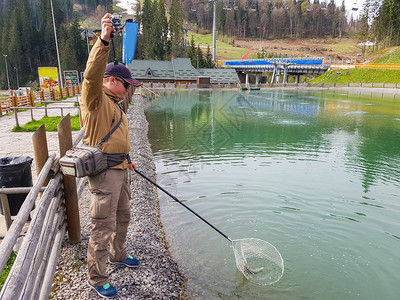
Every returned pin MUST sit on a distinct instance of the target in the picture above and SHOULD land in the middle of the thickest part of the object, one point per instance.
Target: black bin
(15, 172)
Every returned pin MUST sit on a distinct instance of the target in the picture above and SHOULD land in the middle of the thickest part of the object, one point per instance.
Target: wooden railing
(56, 212)
(32, 98)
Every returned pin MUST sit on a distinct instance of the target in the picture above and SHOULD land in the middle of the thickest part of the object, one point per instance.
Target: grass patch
(389, 55)
(359, 75)
(51, 124)
(344, 45)
(224, 49)
(7, 268)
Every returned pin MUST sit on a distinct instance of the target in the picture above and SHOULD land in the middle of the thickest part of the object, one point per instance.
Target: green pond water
(315, 173)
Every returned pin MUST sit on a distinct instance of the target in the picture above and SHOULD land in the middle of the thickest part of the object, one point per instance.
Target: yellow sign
(48, 78)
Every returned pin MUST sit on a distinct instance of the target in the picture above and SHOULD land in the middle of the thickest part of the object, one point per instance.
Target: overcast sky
(349, 6)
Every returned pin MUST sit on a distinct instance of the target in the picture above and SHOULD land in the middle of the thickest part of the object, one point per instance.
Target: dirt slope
(345, 48)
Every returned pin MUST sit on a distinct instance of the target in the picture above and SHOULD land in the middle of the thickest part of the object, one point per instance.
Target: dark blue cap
(119, 70)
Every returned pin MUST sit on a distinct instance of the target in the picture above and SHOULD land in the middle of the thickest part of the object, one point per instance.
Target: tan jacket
(99, 107)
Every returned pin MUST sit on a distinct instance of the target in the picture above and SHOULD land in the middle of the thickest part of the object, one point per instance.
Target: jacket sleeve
(92, 85)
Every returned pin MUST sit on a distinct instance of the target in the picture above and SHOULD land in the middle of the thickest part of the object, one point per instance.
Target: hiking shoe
(130, 262)
(105, 291)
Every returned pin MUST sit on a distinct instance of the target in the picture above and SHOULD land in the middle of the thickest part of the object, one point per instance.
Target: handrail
(13, 233)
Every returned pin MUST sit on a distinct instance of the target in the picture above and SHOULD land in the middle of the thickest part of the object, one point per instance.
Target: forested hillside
(27, 37)
(270, 19)
(27, 40)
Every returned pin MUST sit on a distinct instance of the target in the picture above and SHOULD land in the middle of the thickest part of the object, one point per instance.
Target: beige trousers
(110, 213)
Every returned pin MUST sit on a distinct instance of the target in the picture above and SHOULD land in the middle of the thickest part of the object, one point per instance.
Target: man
(103, 87)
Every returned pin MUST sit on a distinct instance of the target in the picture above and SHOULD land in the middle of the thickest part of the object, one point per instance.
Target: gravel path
(159, 276)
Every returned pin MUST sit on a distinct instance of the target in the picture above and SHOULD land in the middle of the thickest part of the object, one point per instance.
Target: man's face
(118, 86)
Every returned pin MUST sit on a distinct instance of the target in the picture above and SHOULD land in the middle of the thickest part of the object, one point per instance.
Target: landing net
(259, 261)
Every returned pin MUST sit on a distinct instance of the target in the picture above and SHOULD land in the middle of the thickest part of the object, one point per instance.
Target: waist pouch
(88, 160)
(85, 160)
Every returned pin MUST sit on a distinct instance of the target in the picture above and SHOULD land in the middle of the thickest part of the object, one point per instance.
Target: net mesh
(259, 261)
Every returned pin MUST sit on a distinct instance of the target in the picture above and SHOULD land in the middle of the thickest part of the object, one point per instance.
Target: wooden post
(15, 100)
(67, 91)
(31, 101)
(70, 192)
(53, 95)
(16, 116)
(40, 150)
(42, 99)
(61, 94)
(6, 210)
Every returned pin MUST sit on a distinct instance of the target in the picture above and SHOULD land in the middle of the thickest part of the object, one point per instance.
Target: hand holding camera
(116, 22)
(106, 27)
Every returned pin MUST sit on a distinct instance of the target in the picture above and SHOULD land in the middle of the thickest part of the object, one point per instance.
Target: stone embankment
(158, 277)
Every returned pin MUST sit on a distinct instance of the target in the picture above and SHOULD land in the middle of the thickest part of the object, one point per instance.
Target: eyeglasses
(126, 84)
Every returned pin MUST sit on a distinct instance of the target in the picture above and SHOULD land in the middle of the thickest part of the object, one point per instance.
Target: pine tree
(191, 52)
(28, 35)
(176, 28)
(208, 60)
(160, 30)
(5, 48)
(147, 26)
(67, 53)
(200, 62)
(14, 49)
(48, 55)
(73, 52)
(139, 52)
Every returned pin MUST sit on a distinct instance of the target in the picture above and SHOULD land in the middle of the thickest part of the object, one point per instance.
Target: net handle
(181, 203)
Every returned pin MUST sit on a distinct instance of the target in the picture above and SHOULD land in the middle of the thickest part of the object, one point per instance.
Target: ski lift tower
(214, 29)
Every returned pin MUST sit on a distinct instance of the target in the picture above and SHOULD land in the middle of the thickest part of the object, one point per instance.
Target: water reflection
(291, 125)
(314, 173)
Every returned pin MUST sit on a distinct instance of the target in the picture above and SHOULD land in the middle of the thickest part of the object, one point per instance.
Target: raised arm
(92, 86)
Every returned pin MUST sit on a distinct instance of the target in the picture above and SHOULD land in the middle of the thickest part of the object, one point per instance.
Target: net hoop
(259, 261)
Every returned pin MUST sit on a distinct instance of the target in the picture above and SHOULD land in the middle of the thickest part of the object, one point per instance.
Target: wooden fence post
(42, 96)
(67, 91)
(70, 192)
(16, 116)
(45, 110)
(6, 210)
(15, 100)
(40, 150)
(53, 94)
(31, 101)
